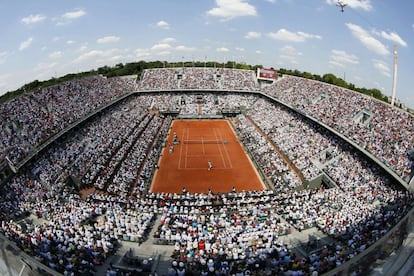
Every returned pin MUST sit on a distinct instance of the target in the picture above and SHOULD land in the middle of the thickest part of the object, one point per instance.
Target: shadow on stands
(131, 264)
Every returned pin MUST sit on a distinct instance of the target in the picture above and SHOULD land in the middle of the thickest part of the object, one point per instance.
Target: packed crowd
(29, 120)
(188, 104)
(296, 137)
(159, 79)
(116, 152)
(199, 78)
(228, 233)
(388, 134)
(71, 235)
(234, 79)
(356, 213)
(33, 118)
(124, 179)
(361, 185)
(270, 162)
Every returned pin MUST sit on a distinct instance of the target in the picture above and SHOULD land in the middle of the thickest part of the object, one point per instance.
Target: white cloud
(142, 53)
(222, 49)
(356, 4)
(44, 66)
(33, 19)
(164, 53)
(98, 56)
(382, 67)
(336, 63)
(25, 43)
(185, 48)
(89, 55)
(285, 35)
(74, 14)
(162, 24)
(290, 54)
(258, 52)
(229, 9)
(239, 49)
(271, 1)
(56, 54)
(161, 46)
(340, 58)
(3, 56)
(83, 47)
(108, 39)
(290, 50)
(5, 82)
(162, 49)
(394, 37)
(370, 42)
(306, 35)
(116, 58)
(70, 42)
(68, 17)
(251, 35)
(168, 40)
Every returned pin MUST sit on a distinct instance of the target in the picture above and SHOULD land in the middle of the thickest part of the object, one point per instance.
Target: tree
(329, 78)
(307, 75)
(136, 68)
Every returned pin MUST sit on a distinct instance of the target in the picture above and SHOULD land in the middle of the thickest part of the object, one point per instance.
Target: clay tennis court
(203, 144)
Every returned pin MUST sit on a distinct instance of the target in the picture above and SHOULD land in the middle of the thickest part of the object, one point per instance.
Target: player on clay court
(210, 165)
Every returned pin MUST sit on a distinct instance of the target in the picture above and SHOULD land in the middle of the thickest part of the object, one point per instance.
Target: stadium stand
(113, 154)
(384, 131)
(199, 78)
(31, 119)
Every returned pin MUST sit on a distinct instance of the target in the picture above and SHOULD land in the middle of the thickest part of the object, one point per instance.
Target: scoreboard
(266, 73)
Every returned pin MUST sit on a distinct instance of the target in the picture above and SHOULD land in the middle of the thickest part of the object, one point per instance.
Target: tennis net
(204, 142)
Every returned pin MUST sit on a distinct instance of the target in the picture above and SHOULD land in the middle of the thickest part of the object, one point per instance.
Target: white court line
(186, 133)
(219, 148)
(202, 155)
(225, 150)
(204, 168)
(186, 150)
(181, 150)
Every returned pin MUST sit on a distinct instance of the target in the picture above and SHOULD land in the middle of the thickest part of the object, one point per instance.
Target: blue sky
(44, 38)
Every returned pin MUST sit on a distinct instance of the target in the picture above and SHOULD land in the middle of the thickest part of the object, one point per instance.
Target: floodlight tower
(394, 80)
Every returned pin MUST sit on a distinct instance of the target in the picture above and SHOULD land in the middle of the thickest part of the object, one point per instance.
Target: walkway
(159, 253)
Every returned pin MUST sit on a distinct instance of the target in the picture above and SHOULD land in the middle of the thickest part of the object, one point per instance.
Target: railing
(18, 262)
(375, 255)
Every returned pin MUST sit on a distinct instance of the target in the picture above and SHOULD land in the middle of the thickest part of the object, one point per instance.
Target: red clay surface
(187, 166)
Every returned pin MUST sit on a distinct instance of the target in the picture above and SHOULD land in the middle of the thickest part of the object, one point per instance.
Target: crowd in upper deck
(29, 120)
(388, 133)
(198, 78)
